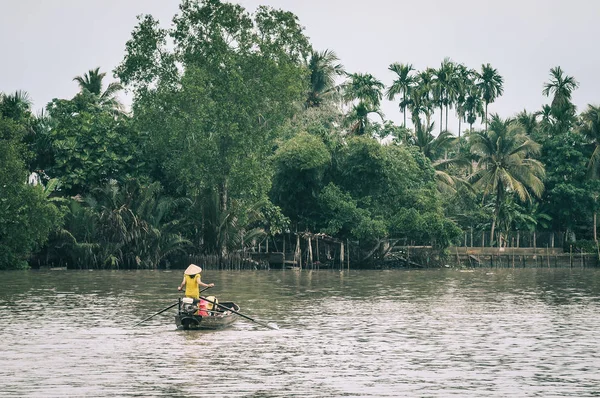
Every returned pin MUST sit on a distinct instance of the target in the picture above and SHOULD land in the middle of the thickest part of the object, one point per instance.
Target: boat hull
(215, 320)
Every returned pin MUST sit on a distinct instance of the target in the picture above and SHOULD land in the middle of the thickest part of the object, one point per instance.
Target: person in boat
(193, 282)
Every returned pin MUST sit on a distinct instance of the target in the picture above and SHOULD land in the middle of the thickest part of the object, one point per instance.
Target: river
(422, 333)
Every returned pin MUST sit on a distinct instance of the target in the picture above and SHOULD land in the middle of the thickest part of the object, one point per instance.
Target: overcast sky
(45, 43)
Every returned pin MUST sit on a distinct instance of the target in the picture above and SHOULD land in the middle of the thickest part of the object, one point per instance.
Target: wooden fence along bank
(319, 251)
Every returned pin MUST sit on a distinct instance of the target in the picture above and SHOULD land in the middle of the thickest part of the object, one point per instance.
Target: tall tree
(364, 91)
(421, 102)
(505, 165)
(590, 127)
(443, 88)
(491, 86)
(463, 85)
(561, 87)
(402, 85)
(214, 100)
(528, 121)
(16, 106)
(92, 82)
(324, 69)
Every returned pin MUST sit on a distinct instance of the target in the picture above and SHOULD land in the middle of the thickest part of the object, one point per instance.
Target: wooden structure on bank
(304, 250)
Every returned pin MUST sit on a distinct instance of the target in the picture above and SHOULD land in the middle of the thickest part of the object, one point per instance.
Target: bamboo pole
(348, 253)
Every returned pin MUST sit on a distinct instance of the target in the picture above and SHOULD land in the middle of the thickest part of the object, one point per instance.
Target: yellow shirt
(192, 286)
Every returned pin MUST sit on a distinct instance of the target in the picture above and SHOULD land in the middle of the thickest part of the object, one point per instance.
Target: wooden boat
(218, 317)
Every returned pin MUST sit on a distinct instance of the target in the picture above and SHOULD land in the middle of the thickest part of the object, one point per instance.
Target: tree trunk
(486, 117)
(404, 102)
(459, 123)
(310, 252)
(446, 117)
(223, 196)
(441, 118)
(595, 236)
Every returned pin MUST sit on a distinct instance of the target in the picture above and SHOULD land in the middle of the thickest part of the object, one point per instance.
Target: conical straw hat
(193, 269)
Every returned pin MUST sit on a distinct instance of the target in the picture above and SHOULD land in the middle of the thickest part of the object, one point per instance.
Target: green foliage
(300, 165)
(581, 246)
(26, 215)
(214, 102)
(343, 218)
(122, 226)
(90, 145)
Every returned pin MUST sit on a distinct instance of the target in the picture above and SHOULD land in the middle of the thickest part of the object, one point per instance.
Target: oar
(164, 309)
(274, 327)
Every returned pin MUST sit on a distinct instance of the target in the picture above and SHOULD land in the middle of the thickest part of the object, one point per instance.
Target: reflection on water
(524, 332)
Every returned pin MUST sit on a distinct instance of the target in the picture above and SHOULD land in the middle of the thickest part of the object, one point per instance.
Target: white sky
(45, 43)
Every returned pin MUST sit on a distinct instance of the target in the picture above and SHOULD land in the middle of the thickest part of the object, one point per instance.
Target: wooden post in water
(310, 253)
(348, 253)
(571, 256)
(283, 261)
(513, 245)
(298, 254)
(547, 256)
(341, 255)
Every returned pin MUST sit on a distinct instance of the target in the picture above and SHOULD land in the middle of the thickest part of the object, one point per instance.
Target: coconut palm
(91, 82)
(324, 69)
(431, 146)
(357, 118)
(367, 91)
(590, 128)
(435, 149)
(505, 165)
(560, 87)
(15, 106)
(443, 88)
(473, 105)
(402, 85)
(462, 83)
(363, 87)
(490, 85)
(528, 121)
(421, 101)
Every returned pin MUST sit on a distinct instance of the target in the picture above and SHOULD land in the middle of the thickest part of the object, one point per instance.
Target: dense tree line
(240, 130)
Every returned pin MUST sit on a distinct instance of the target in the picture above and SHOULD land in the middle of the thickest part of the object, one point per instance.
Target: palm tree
(560, 86)
(505, 165)
(547, 121)
(443, 88)
(15, 106)
(324, 69)
(358, 117)
(91, 82)
(463, 85)
(473, 106)
(528, 121)
(363, 87)
(421, 101)
(490, 85)
(402, 85)
(590, 128)
(434, 148)
(367, 90)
